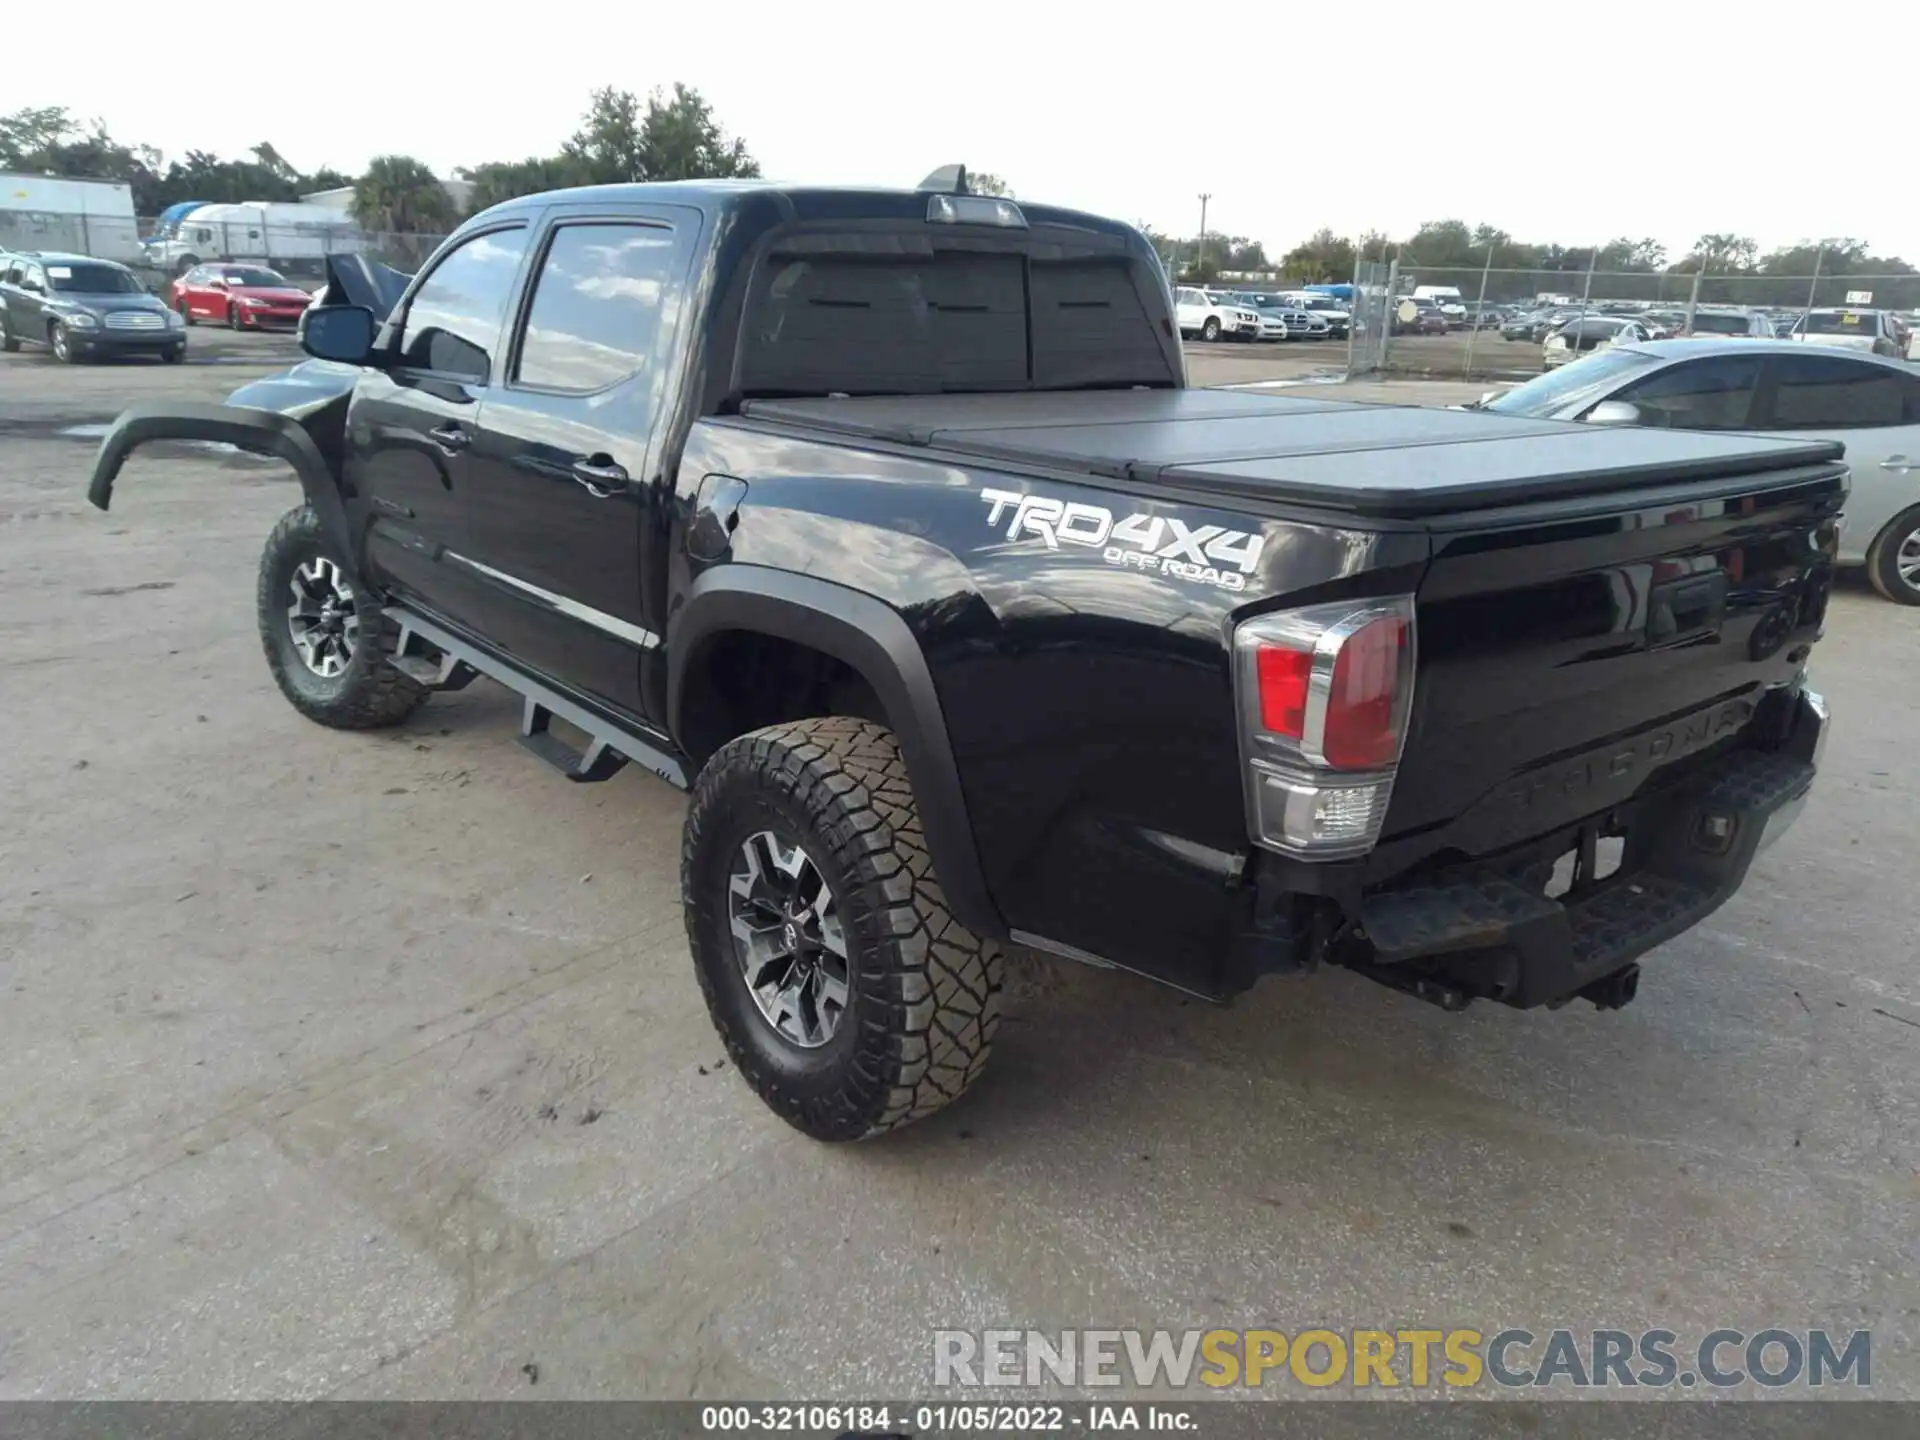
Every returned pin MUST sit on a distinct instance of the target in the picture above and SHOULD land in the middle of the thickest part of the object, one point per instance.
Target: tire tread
(377, 694)
(937, 985)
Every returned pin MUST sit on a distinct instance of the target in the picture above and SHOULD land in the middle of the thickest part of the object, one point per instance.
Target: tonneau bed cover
(1386, 461)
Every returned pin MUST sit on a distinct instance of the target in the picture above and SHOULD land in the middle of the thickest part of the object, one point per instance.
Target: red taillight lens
(1283, 676)
(1324, 694)
(1364, 715)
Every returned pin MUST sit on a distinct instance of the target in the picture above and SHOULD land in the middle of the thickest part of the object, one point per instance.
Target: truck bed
(1388, 462)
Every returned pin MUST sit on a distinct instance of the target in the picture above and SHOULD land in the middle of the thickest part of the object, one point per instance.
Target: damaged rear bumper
(1488, 929)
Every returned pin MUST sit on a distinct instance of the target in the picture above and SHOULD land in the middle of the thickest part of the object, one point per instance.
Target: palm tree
(401, 194)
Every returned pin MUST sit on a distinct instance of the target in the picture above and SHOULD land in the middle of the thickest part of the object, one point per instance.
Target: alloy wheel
(322, 619)
(788, 939)
(1906, 560)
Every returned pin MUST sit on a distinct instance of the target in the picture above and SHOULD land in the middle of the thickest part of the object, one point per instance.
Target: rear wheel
(9, 342)
(847, 994)
(327, 644)
(1893, 561)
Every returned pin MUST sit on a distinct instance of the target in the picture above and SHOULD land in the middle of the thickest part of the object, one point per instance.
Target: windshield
(83, 278)
(1839, 322)
(253, 277)
(1704, 324)
(1557, 390)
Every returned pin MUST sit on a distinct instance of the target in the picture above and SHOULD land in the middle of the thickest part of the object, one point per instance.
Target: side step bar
(441, 660)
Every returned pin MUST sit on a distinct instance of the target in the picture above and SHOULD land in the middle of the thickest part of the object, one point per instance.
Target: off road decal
(1154, 544)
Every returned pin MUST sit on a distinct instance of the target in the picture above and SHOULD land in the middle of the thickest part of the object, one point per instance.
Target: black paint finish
(1066, 709)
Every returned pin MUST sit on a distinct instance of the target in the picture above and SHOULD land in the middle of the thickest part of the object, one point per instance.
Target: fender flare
(262, 432)
(871, 637)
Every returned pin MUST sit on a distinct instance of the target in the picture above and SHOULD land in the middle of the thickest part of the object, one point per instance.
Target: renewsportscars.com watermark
(1393, 1359)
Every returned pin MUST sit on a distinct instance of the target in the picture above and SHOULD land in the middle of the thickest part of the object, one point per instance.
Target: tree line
(670, 135)
(674, 135)
(1455, 245)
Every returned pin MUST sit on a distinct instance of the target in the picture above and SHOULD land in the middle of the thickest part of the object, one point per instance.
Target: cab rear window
(1843, 322)
(945, 320)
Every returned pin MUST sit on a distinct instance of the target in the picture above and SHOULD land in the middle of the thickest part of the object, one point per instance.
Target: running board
(451, 665)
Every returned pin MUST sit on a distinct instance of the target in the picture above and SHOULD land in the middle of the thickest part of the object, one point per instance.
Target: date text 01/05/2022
(881, 1419)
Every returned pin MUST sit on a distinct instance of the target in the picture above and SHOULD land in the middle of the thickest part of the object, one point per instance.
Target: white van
(1447, 297)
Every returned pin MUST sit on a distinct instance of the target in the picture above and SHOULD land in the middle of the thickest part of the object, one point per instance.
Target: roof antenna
(948, 180)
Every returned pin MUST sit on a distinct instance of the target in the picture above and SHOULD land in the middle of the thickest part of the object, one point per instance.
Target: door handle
(600, 475)
(450, 437)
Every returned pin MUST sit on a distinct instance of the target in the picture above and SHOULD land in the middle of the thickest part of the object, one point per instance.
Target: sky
(1682, 122)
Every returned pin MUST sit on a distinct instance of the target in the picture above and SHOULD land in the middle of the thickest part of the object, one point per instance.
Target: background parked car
(1338, 317)
(1273, 318)
(83, 309)
(245, 297)
(1295, 322)
(1208, 316)
(1593, 332)
(1709, 323)
(1870, 404)
(1418, 315)
(1878, 332)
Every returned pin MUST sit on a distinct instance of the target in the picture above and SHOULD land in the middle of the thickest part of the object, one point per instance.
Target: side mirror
(1613, 412)
(338, 332)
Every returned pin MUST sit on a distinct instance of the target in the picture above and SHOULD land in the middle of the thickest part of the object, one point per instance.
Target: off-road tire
(1883, 557)
(924, 992)
(369, 693)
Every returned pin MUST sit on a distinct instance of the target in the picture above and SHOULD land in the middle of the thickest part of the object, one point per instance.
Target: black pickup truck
(885, 523)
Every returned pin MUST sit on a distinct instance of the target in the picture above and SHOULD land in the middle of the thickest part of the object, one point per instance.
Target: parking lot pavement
(373, 1065)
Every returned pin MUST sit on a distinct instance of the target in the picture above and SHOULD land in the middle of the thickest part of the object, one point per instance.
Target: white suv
(1208, 316)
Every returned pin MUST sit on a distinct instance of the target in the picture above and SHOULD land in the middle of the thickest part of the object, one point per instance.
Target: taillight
(1325, 695)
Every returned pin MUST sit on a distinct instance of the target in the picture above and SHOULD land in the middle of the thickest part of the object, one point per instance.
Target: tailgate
(1566, 652)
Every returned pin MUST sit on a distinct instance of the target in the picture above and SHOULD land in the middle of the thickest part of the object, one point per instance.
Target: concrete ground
(373, 1065)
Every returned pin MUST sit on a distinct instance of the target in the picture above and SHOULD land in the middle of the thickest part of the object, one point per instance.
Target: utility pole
(1200, 247)
(1806, 316)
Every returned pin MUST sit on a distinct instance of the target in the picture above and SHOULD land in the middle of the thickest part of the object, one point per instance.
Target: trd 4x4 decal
(1156, 544)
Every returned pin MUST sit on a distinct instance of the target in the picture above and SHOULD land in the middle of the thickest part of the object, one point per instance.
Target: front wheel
(846, 992)
(174, 354)
(62, 342)
(327, 643)
(233, 317)
(1210, 330)
(1893, 562)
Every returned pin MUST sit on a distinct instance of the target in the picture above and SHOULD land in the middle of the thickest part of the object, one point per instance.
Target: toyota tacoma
(886, 525)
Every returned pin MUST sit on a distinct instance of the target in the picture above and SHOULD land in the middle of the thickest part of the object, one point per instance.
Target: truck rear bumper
(1489, 929)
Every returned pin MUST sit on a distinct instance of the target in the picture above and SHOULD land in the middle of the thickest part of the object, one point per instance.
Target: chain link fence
(1492, 323)
(160, 253)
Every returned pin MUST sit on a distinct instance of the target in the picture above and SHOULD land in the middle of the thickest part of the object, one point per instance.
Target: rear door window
(1830, 392)
(453, 319)
(595, 316)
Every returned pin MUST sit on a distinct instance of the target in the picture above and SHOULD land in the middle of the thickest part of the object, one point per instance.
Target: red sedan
(246, 297)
